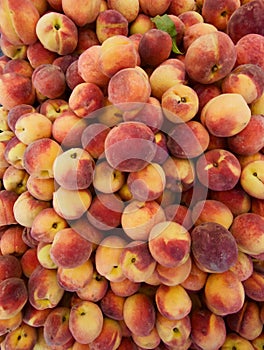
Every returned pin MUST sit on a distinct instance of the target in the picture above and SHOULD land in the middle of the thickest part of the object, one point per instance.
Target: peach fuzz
(210, 57)
(217, 286)
(89, 68)
(94, 290)
(249, 50)
(120, 47)
(7, 201)
(12, 241)
(138, 218)
(169, 243)
(252, 177)
(129, 10)
(57, 33)
(23, 336)
(81, 13)
(83, 330)
(139, 314)
(195, 31)
(41, 189)
(19, 29)
(208, 329)
(110, 23)
(110, 336)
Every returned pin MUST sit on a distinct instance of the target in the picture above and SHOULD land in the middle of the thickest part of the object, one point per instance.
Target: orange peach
(112, 305)
(95, 289)
(129, 10)
(251, 178)
(7, 201)
(37, 54)
(190, 18)
(106, 179)
(233, 340)
(12, 241)
(34, 317)
(9, 267)
(171, 276)
(10, 324)
(243, 267)
(151, 341)
(29, 261)
(15, 179)
(110, 23)
(53, 108)
(110, 336)
(81, 13)
(19, 66)
(196, 279)
(141, 24)
(41, 189)
(86, 38)
(11, 50)
(195, 31)
(156, 9)
(125, 288)
(24, 337)
(253, 286)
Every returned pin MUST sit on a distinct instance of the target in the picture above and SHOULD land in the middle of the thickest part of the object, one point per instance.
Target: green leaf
(166, 24)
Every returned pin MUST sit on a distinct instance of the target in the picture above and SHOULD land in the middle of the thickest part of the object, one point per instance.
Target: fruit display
(131, 174)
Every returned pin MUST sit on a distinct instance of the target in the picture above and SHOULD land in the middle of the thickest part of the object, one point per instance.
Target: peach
(26, 208)
(138, 218)
(246, 322)
(19, 66)
(148, 183)
(206, 61)
(156, 9)
(9, 267)
(253, 286)
(249, 49)
(55, 4)
(248, 141)
(7, 201)
(41, 189)
(24, 337)
(150, 341)
(82, 313)
(257, 206)
(94, 290)
(165, 301)
(43, 255)
(129, 146)
(106, 179)
(208, 329)
(188, 140)
(196, 279)
(217, 286)
(44, 292)
(178, 7)
(13, 297)
(121, 47)
(171, 276)
(110, 23)
(86, 38)
(112, 305)
(243, 267)
(93, 139)
(16, 112)
(53, 108)
(236, 28)
(86, 98)
(39, 157)
(162, 151)
(180, 103)
(89, 68)
(12, 241)
(136, 261)
(233, 340)
(205, 93)
(139, 314)
(11, 50)
(218, 169)
(174, 333)
(129, 10)
(10, 324)
(15, 180)
(81, 13)
(195, 31)
(19, 28)
(141, 24)
(56, 326)
(180, 214)
(29, 261)
(256, 106)
(211, 237)
(34, 317)
(69, 249)
(190, 18)
(41, 6)
(16, 89)
(251, 178)
(125, 287)
(213, 211)
(37, 54)
(169, 243)
(105, 211)
(110, 336)
(57, 33)
(219, 15)
(107, 258)
(75, 278)
(86, 230)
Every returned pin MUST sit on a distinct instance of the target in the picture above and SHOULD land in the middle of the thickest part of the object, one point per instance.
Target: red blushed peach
(243, 267)
(188, 140)
(246, 322)
(110, 336)
(72, 75)
(54, 108)
(162, 152)
(55, 4)
(94, 290)
(250, 140)
(15, 180)
(218, 169)
(180, 214)
(112, 305)
(250, 48)
(247, 230)
(13, 297)
(210, 57)
(195, 31)
(9, 267)
(41, 189)
(43, 255)
(252, 177)
(125, 287)
(141, 24)
(86, 321)
(180, 103)
(56, 327)
(69, 249)
(209, 240)
(129, 146)
(107, 258)
(16, 112)
(19, 66)
(121, 47)
(7, 201)
(57, 33)
(174, 333)
(237, 29)
(151, 341)
(93, 139)
(165, 300)
(65, 61)
(106, 179)
(86, 98)
(129, 10)
(12, 241)
(217, 287)
(73, 169)
(257, 206)
(88, 66)
(253, 286)
(11, 324)
(12, 51)
(110, 23)
(155, 9)
(136, 88)
(169, 243)
(205, 93)
(44, 292)
(213, 211)
(196, 279)
(171, 276)
(37, 54)
(86, 38)
(29, 261)
(86, 230)
(139, 314)
(138, 218)
(39, 157)
(19, 28)
(208, 329)
(81, 13)
(190, 18)
(24, 336)
(16, 89)
(136, 261)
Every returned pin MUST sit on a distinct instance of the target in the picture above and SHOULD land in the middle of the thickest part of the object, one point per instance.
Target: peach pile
(131, 175)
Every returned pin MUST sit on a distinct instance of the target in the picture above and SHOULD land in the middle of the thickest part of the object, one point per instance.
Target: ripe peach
(233, 340)
(43, 255)
(41, 189)
(110, 23)
(195, 31)
(112, 305)
(125, 288)
(12, 241)
(86, 230)
(205, 93)
(243, 267)
(7, 201)
(106, 179)
(29, 261)
(190, 18)
(86, 38)
(196, 279)
(150, 341)
(171, 276)
(251, 178)
(81, 13)
(93, 139)
(15, 179)
(9, 267)
(95, 289)
(180, 214)
(10, 324)
(11, 50)
(16, 112)
(256, 106)
(34, 317)
(253, 286)
(24, 337)
(129, 10)
(37, 54)
(19, 66)
(250, 48)
(110, 336)
(54, 108)
(72, 75)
